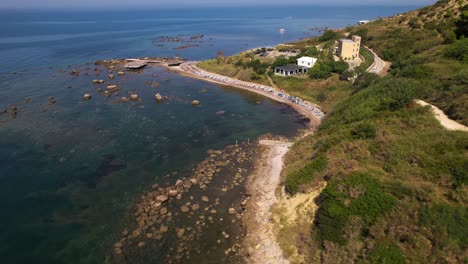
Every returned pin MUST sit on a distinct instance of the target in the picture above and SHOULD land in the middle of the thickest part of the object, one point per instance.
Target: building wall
(349, 50)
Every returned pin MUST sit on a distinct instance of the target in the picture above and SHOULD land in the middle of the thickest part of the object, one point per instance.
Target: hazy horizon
(184, 4)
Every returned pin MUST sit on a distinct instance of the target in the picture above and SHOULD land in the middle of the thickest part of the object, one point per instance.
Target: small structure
(290, 69)
(135, 64)
(173, 63)
(348, 49)
(307, 62)
(363, 22)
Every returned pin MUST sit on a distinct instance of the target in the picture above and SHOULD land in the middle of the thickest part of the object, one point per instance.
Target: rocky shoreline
(175, 217)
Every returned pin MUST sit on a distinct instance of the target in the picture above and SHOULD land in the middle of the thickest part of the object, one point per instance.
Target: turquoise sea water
(71, 172)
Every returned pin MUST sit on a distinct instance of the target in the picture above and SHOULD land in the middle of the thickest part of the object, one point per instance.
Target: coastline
(261, 244)
(309, 110)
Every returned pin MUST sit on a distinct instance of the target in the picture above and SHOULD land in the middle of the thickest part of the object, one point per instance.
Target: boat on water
(282, 30)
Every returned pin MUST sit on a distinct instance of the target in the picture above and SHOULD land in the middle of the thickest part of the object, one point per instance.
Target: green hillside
(396, 179)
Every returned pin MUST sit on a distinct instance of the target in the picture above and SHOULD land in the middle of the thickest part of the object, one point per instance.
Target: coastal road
(379, 66)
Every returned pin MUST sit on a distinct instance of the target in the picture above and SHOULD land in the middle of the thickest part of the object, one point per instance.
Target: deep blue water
(70, 172)
(29, 39)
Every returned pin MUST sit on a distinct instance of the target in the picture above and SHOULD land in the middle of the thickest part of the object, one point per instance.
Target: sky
(65, 4)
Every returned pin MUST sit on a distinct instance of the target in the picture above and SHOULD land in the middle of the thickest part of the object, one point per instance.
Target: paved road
(379, 66)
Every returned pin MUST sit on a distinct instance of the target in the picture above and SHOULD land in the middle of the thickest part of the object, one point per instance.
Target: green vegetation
(303, 176)
(458, 50)
(330, 35)
(396, 180)
(357, 195)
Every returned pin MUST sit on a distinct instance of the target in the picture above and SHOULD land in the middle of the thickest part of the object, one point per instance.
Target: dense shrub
(386, 254)
(311, 52)
(417, 72)
(329, 35)
(385, 94)
(280, 61)
(357, 195)
(257, 66)
(320, 70)
(462, 23)
(458, 50)
(363, 131)
(364, 80)
(305, 175)
(446, 220)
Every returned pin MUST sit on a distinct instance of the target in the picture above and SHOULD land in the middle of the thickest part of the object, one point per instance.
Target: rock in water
(134, 97)
(196, 103)
(124, 99)
(86, 97)
(120, 73)
(158, 97)
(180, 232)
(51, 100)
(111, 76)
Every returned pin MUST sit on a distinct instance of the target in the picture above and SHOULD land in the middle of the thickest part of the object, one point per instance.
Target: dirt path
(444, 120)
(260, 242)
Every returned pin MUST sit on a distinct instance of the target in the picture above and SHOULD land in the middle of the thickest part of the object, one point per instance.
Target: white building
(307, 62)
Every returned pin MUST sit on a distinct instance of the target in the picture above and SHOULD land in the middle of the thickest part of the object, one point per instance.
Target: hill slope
(396, 179)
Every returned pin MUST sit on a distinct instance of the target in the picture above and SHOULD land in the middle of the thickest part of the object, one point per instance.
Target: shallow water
(71, 171)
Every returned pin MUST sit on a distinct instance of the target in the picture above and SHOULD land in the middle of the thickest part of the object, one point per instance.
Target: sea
(73, 173)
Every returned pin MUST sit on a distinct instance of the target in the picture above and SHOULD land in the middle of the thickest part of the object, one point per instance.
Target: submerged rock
(173, 193)
(196, 103)
(158, 97)
(86, 97)
(180, 232)
(162, 198)
(134, 97)
(51, 100)
(184, 209)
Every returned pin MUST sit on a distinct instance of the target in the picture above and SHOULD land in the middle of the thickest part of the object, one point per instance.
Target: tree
(462, 23)
(280, 61)
(329, 35)
(311, 52)
(320, 71)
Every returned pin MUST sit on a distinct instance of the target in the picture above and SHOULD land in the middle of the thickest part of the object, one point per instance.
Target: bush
(338, 66)
(364, 80)
(417, 72)
(320, 70)
(364, 197)
(364, 131)
(383, 95)
(329, 35)
(321, 97)
(446, 221)
(450, 38)
(462, 23)
(386, 254)
(304, 175)
(311, 52)
(458, 50)
(280, 61)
